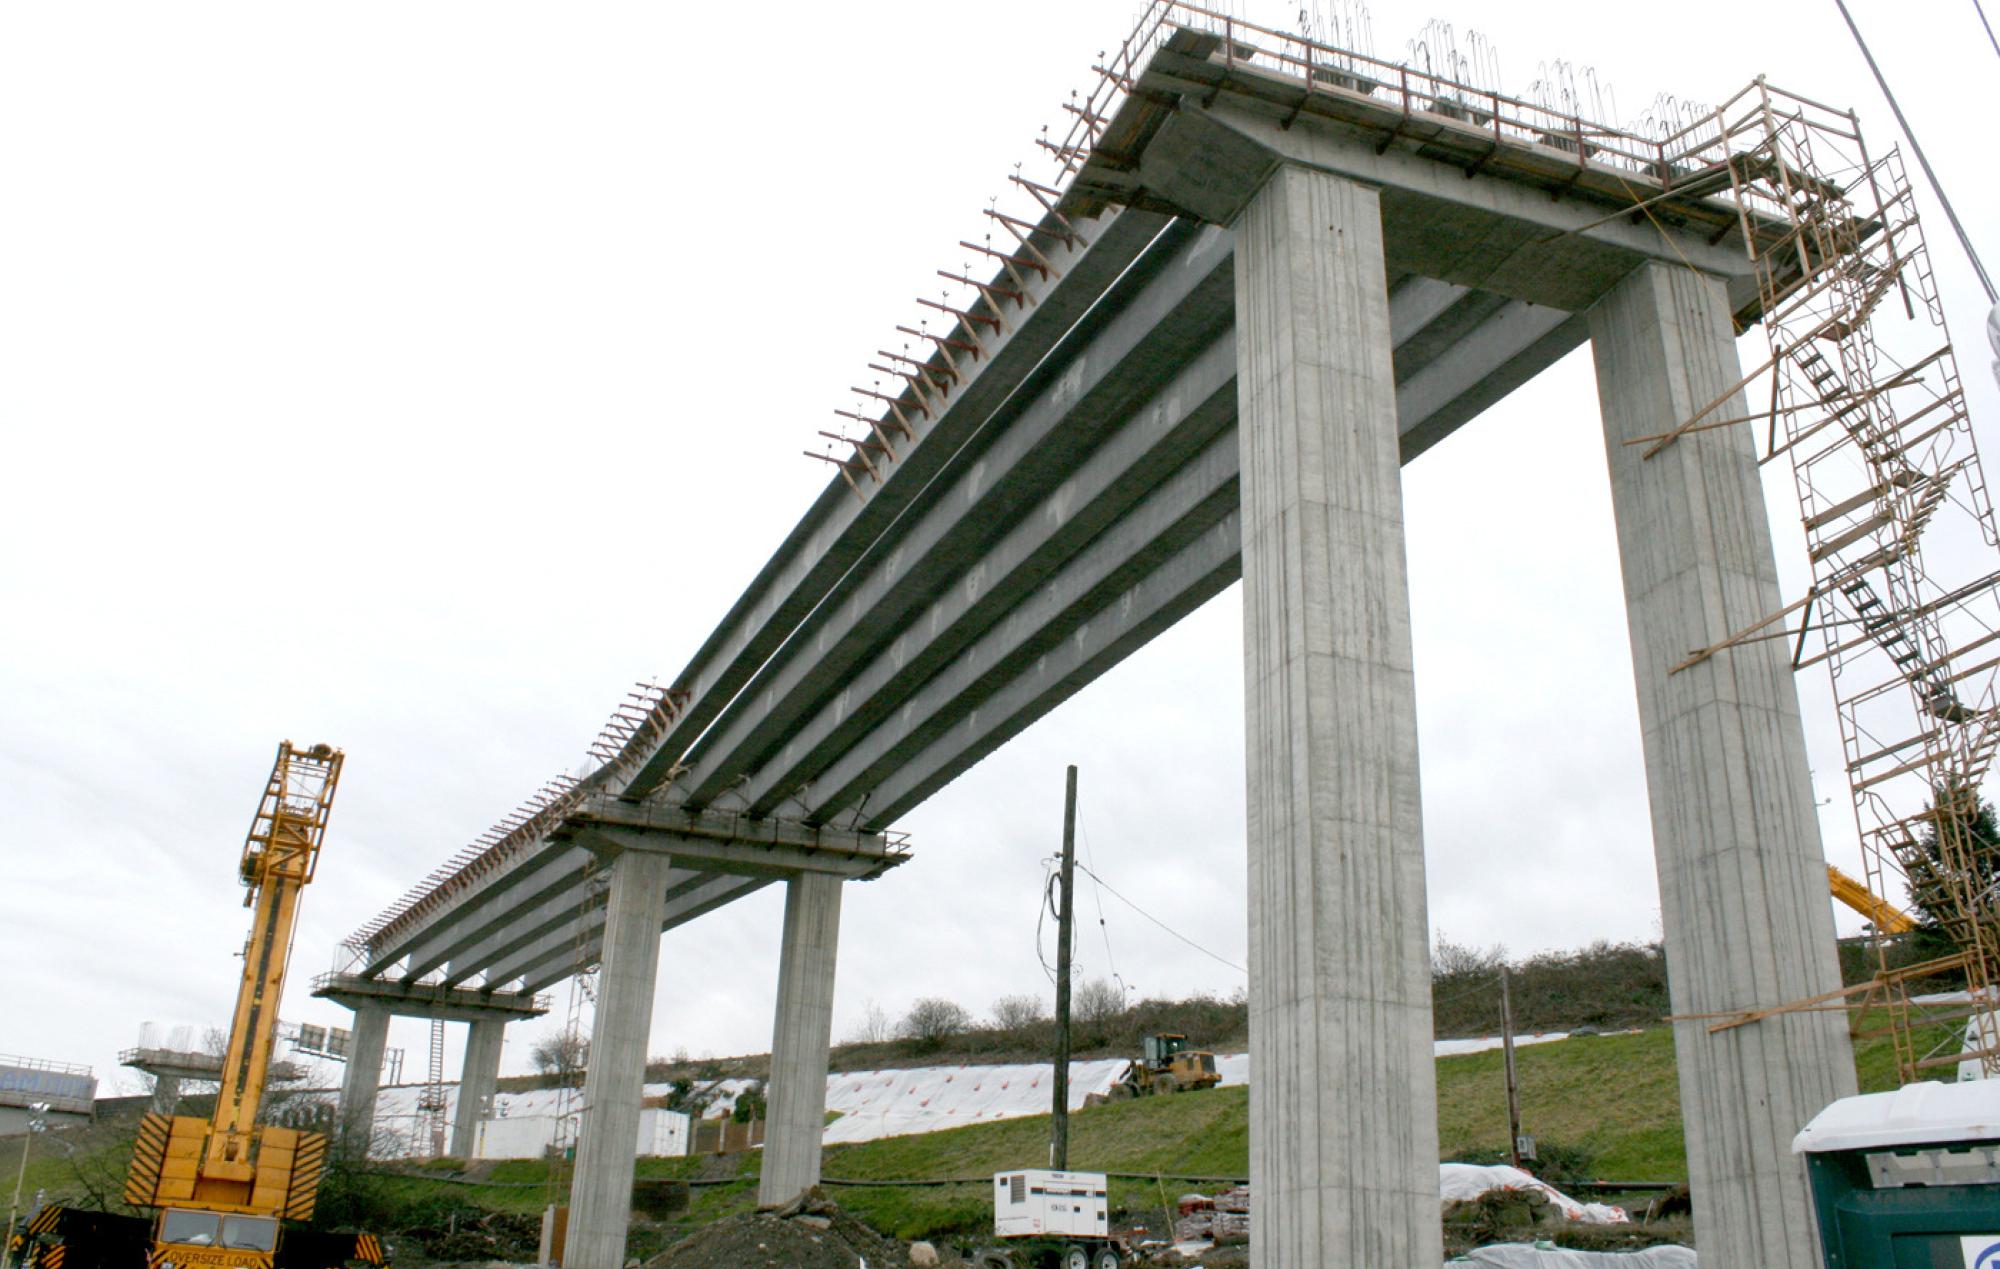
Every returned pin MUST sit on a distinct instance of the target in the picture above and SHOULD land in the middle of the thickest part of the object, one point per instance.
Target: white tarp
(1525, 1256)
(1463, 1182)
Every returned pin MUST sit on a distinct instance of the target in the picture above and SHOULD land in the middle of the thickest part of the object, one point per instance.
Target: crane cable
(1964, 239)
(1991, 38)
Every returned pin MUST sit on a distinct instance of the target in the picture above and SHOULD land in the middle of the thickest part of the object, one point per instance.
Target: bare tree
(1462, 960)
(1097, 1001)
(874, 1027)
(563, 1053)
(933, 1020)
(1012, 1013)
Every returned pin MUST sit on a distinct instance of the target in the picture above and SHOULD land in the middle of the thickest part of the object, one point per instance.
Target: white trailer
(1049, 1217)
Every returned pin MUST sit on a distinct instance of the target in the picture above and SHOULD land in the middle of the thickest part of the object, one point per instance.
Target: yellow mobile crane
(224, 1185)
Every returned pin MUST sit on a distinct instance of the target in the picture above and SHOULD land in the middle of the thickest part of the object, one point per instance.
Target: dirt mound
(808, 1233)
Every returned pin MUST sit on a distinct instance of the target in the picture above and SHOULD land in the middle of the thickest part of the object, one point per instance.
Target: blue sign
(1982, 1251)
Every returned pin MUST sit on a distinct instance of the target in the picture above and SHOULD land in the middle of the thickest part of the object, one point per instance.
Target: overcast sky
(413, 377)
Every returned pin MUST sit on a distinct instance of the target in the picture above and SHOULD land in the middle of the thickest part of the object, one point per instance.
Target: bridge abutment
(802, 1031)
(1735, 836)
(1343, 1115)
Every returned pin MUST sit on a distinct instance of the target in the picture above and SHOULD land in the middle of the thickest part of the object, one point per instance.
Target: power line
(1162, 924)
(1097, 893)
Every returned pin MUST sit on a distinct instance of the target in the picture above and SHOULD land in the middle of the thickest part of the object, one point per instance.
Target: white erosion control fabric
(871, 1104)
(876, 1104)
(1463, 1182)
(1524, 1256)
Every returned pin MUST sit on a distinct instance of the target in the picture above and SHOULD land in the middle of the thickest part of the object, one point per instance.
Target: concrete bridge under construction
(1270, 274)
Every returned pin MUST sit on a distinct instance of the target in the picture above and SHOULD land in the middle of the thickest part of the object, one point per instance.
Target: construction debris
(810, 1232)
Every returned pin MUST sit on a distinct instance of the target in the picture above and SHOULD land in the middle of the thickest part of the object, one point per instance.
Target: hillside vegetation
(1601, 1107)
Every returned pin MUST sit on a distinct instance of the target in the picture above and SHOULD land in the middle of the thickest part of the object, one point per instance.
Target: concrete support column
(477, 1082)
(799, 1038)
(1742, 876)
(600, 1194)
(364, 1076)
(166, 1093)
(1343, 1095)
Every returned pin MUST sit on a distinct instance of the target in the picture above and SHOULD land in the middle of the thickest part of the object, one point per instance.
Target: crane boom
(229, 1171)
(1888, 918)
(279, 855)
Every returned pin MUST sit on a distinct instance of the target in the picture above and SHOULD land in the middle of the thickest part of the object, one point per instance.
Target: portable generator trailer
(1045, 1218)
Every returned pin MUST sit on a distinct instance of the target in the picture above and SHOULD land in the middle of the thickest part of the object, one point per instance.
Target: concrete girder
(476, 896)
(1511, 345)
(1175, 312)
(454, 941)
(1186, 412)
(1203, 569)
(837, 530)
(523, 927)
(1132, 468)
(718, 892)
(1182, 509)
(581, 912)
(1442, 388)
(772, 862)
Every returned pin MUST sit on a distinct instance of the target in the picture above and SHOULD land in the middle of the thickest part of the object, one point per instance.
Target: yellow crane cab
(185, 1238)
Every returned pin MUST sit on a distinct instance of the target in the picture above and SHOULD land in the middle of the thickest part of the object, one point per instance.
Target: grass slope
(1614, 1097)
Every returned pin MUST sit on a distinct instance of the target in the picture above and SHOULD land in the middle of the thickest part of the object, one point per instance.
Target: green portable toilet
(1909, 1179)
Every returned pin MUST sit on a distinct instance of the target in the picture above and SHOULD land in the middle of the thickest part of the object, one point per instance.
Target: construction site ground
(1606, 1103)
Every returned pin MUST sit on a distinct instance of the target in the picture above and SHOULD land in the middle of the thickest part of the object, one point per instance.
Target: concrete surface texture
(600, 1196)
(1343, 1098)
(365, 1046)
(479, 1080)
(1742, 876)
(799, 1038)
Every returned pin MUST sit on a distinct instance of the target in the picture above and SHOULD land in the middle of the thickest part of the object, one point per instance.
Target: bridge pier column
(477, 1082)
(166, 1093)
(1343, 1097)
(600, 1196)
(365, 1046)
(799, 1039)
(1735, 837)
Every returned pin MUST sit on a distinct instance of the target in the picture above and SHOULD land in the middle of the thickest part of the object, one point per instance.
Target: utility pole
(1059, 1147)
(1513, 1091)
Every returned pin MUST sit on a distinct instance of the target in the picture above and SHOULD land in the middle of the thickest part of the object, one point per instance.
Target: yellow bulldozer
(1167, 1064)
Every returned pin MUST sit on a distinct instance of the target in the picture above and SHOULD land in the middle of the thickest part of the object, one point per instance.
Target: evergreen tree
(1938, 877)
